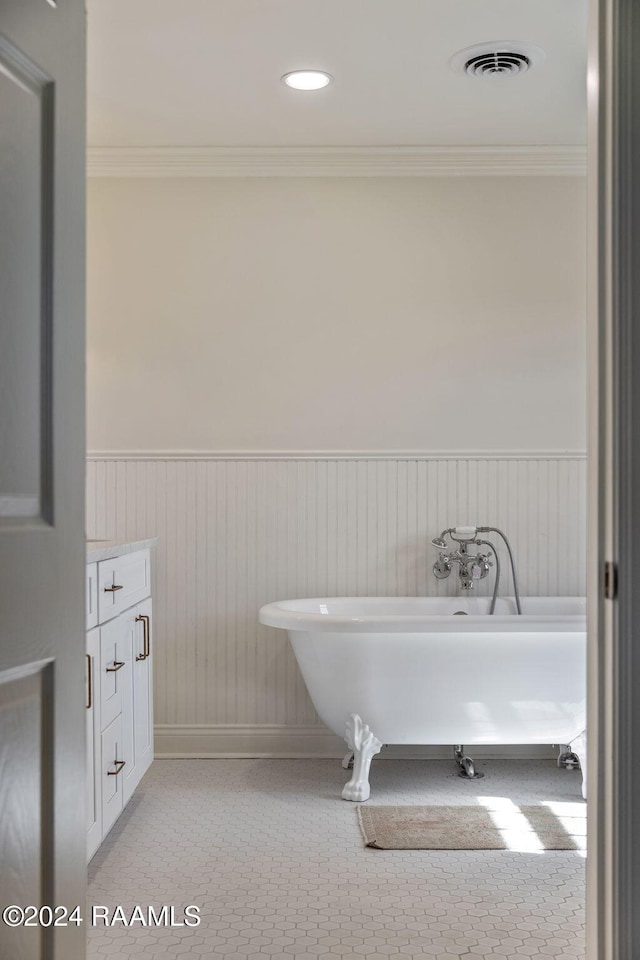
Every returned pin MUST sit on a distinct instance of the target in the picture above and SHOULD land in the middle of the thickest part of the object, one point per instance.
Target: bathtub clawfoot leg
(466, 766)
(364, 746)
(579, 747)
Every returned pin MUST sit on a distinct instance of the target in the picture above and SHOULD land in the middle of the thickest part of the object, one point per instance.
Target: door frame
(613, 864)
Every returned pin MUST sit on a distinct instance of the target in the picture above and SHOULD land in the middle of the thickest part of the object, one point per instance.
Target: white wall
(337, 314)
(310, 315)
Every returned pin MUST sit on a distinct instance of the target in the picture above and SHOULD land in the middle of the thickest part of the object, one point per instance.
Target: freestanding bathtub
(408, 670)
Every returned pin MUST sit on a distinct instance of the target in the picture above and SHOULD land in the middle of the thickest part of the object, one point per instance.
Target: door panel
(42, 465)
(26, 247)
(25, 796)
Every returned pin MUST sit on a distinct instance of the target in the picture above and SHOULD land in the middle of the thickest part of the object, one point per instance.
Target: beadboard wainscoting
(239, 530)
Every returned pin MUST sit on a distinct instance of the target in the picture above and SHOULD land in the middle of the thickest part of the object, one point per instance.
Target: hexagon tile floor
(275, 862)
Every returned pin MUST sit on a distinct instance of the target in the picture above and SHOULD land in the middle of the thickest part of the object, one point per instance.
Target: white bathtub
(405, 670)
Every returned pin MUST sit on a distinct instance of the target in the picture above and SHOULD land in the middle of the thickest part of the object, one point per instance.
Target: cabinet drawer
(92, 595)
(112, 770)
(123, 582)
(115, 666)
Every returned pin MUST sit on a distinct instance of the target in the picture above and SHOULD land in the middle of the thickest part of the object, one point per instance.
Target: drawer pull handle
(146, 632)
(89, 683)
(116, 586)
(119, 764)
(117, 665)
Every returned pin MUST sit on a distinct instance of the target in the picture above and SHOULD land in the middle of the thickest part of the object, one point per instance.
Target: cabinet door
(137, 699)
(92, 713)
(112, 768)
(143, 688)
(132, 643)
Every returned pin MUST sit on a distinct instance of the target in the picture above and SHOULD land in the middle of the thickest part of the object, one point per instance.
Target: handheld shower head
(440, 542)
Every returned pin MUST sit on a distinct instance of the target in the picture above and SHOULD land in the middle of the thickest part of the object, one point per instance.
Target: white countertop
(106, 549)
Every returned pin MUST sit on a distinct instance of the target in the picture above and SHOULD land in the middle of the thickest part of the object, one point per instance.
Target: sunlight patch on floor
(519, 833)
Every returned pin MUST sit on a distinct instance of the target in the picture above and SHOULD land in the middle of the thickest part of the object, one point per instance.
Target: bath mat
(502, 825)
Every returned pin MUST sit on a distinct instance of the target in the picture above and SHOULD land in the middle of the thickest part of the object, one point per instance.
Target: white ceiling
(207, 72)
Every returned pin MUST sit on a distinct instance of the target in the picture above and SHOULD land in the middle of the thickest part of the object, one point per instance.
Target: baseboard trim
(244, 740)
(281, 741)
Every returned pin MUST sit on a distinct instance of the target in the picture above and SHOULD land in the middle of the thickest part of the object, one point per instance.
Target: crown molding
(336, 455)
(464, 161)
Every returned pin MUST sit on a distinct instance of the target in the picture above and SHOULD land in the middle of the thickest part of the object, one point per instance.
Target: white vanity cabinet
(119, 681)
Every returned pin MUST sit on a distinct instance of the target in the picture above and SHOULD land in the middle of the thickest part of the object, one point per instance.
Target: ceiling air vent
(497, 59)
(501, 61)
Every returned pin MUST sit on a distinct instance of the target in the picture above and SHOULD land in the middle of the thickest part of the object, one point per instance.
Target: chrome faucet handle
(480, 566)
(442, 567)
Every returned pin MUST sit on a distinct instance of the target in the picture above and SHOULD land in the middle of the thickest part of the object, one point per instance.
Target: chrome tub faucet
(472, 566)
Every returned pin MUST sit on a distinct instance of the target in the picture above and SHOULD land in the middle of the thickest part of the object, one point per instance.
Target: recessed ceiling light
(307, 79)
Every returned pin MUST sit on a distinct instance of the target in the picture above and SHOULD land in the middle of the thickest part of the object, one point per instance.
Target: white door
(42, 550)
